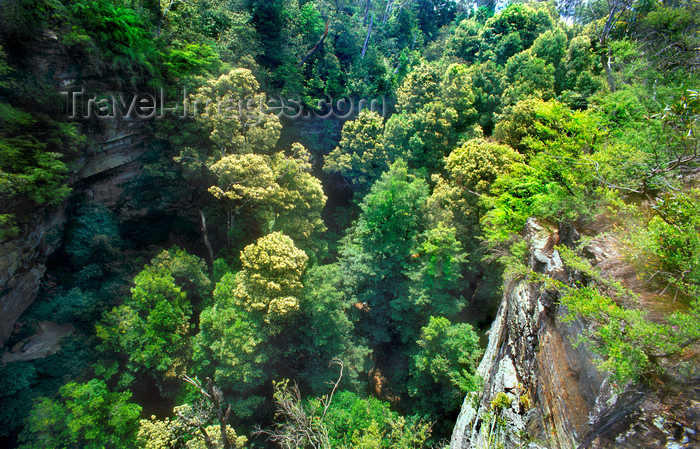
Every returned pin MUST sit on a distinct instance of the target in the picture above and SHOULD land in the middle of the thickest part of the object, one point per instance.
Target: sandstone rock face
(107, 166)
(22, 265)
(556, 396)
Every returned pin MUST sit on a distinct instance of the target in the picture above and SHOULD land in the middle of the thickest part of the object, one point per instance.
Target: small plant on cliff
(631, 345)
(493, 422)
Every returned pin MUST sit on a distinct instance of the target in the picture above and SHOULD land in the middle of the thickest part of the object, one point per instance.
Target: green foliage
(422, 138)
(632, 346)
(420, 87)
(444, 368)
(457, 89)
(233, 111)
(667, 248)
(192, 59)
(269, 283)
(577, 63)
(407, 262)
(471, 170)
(559, 179)
(360, 156)
(355, 422)
(93, 235)
(501, 402)
(235, 345)
(378, 249)
(25, 381)
(28, 167)
(114, 37)
(230, 347)
(275, 192)
(74, 306)
(515, 29)
(432, 107)
(32, 149)
(301, 201)
(327, 330)
(527, 76)
(488, 84)
(189, 272)
(152, 328)
(98, 254)
(435, 279)
(465, 42)
(678, 24)
(186, 431)
(16, 378)
(85, 415)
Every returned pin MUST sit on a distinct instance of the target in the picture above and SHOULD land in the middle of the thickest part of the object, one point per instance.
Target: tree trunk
(316, 47)
(364, 48)
(368, 6)
(618, 6)
(605, 60)
(205, 234)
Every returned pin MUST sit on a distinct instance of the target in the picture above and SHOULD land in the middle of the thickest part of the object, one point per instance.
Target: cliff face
(550, 393)
(107, 167)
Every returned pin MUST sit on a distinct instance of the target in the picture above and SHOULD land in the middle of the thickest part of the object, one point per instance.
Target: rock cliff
(541, 392)
(110, 163)
(109, 166)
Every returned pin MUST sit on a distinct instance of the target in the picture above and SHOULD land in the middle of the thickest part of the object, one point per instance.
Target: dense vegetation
(294, 325)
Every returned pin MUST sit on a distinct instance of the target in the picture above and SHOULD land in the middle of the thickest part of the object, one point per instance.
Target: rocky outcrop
(109, 164)
(22, 265)
(539, 391)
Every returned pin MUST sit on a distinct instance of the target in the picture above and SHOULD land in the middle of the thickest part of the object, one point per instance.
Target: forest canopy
(329, 283)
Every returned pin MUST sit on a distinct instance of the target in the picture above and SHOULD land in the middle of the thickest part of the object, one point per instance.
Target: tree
(669, 35)
(444, 369)
(152, 328)
(273, 192)
(550, 46)
(341, 420)
(457, 90)
(235, 115)
(269, 283)
(456, 208)
(466, 41)
(246, 179)
(235, 345)
(368, 423)
(231, 349)
(577, 67)
(327, 330)
(517, 123)
(191, 426)
(421, 86)
(301, 201)
(360, 157)
(633, 345)
(515, 29)
(85, 415)
(189, 272)
(377, 253)
(527, 76)
(435, 279)
(615, 10)
(422, 138)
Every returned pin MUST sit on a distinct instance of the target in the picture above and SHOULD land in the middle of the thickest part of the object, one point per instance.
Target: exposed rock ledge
(558, 397)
